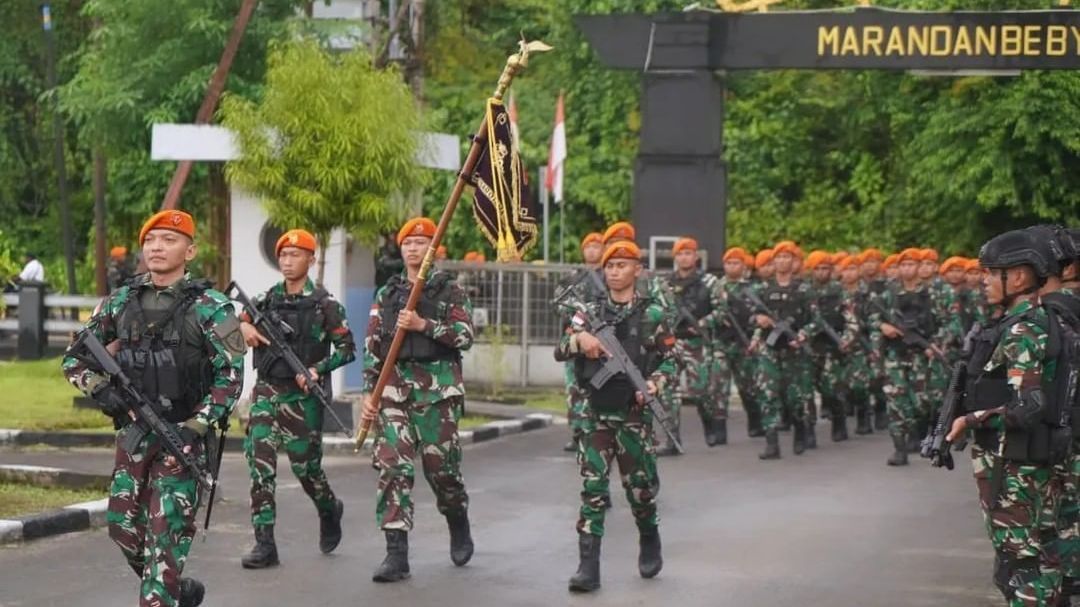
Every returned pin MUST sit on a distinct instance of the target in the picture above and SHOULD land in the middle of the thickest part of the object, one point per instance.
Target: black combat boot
(753, 422)
(710, 431)
(587, 577)
(650, 561)
(863, 420)
(772, 445)
(395, 567)
(799, 438)
(899, 457)
(264, 554)
(720, 426)
(811, 435)
(191, 592)
(461, 544)
(330, 527)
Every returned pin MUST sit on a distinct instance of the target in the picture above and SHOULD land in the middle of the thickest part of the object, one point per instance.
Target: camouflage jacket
(659, 341)
(708, 325)
(428, 381)
(822, 298)
(803, 293)
(335, 327)
(212, 312)
(943, 314)
(1022, 353)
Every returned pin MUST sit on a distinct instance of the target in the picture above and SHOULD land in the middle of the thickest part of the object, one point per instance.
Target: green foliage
(332, 143)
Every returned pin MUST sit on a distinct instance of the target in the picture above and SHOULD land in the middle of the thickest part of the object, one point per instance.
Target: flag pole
(545, 198)
(514, 64)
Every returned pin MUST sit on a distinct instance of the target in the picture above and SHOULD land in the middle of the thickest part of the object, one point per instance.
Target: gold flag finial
(517, 62)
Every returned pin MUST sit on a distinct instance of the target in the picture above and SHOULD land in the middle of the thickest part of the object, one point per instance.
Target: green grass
(18, 500)
(35, 396)
(472, 421)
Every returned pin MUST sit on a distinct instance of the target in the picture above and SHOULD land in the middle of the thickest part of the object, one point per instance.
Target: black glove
(110, 401)
(190, 437)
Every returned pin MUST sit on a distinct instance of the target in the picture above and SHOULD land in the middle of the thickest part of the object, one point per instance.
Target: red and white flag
(557, 154)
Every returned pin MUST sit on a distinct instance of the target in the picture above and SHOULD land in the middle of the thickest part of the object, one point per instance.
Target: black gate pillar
(32, 336)
(680, 181)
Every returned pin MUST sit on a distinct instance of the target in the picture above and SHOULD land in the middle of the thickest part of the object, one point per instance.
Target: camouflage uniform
(622, 432)
(1021, 524)
(783, 375)
(700, 303)
(730, 353)
(420, 407)
(151, 511)
(578, 287)
(946, 306)
(835, 307)
(283, 415)
(858, 366)
(871, 290)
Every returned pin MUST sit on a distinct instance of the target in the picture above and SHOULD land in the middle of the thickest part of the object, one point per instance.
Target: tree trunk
(100, 231)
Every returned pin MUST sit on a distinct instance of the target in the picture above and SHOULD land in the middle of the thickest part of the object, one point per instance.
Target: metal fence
(512, 299)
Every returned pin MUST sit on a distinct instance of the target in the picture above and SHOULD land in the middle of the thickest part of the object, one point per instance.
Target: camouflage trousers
(408, 430)
(740, 370)
(697, 385)
(784, 382)
(1026, 571)
(279, 418)
(904, 388)
(937, 381)
(151, 516)
(577, 400)
(1067, 545)
(830, 382)
(858, 375)
(630, 444)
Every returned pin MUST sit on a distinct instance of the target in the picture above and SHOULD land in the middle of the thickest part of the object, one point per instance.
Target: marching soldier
(783, 372)
(179, 342)
(284, 414)
(829, 356)
(891, 268)
(417, 418)
(946, 306)
(857, 369)
(733, 337)
(619, 427)
(872, 264)
(764, 266)
(588, 285)
(1011, 402)
(119, 270)
(700, 302)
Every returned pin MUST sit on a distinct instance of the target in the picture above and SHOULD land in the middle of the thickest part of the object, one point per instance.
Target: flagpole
(562, 229)
(514, 64)
(545, 198)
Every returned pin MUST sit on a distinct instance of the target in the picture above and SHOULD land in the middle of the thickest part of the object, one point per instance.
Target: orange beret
(787, 246)
(890, 261)
(928, 255)
(738, 253)
(621, 250)
(117, 251)
(871, 254)
(684, 243)
(620, 230)
(909, 254)
(301, 239)
(816, 258)
(764, 257)
(848, 262)
(953, 262)
(840, 255)
(473, 256)
(440, 252)
(177, 221)
(417, 226)
(592, 238)
(973, 265)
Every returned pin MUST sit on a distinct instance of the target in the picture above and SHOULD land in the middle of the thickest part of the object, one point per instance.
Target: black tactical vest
(691, 295)
(433, 304)
(1064, 312)
(164, 355)
(788, 303)
(302, 314)
(830, 301)
(914, 311)
(741, 311)
(618, 393)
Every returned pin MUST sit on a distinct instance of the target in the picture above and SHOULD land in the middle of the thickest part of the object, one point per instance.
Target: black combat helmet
(1059, 244)
(1019, 248)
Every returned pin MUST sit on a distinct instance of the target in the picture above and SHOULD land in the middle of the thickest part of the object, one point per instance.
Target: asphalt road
(832, 527)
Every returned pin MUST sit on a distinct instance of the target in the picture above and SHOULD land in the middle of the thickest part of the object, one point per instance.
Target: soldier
(191, 334)
(835, 260)
(588, 285)
(904, 308)
(872, 263)
(733, 337)
(284, 414)
(953, 272)
(946, 306)
(858, 360)
(764, 265)
(891, 268)
(619, 427)
(783, 372)
(1011, 400)
(424, 399)
(119, 270)
(829, 357)
(973, 278)
(701, 303)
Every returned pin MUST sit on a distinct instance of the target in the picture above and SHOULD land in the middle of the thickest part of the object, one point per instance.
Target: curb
(336, 445)
(76, 517)
(45, 476)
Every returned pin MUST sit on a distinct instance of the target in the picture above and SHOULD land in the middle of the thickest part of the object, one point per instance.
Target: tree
(332, 143)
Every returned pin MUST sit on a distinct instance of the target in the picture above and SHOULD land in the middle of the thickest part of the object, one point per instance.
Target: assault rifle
(781, 327)
(935, 446)
(275, 329)
(909, 332)
(214, 457)
(834, 337)
(146, 415)
(744, 339)
(617, 361)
